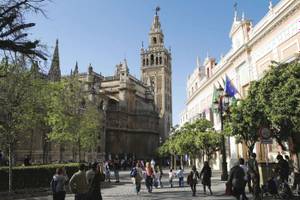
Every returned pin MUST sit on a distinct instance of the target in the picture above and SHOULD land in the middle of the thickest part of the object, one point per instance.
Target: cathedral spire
(198, 62)
(54, 72)
(76, 68)
(235, 12)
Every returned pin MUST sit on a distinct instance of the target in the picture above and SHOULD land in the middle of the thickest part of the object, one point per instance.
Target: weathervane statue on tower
(157, 9)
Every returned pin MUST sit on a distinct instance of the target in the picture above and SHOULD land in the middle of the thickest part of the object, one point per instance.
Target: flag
(230, 90)
(215, 98)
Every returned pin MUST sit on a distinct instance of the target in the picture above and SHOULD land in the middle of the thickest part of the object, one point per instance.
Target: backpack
(189, 179)
(133, 172)
(238, 177)
(53, 185)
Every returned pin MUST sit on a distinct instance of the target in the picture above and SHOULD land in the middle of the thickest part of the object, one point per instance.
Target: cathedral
(136, 113)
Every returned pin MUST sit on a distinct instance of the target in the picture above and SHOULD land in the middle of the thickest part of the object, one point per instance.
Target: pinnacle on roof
(54, 72)
(76, 68)
(156, 26)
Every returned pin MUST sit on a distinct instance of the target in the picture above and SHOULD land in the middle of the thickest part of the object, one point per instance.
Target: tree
(13, 28)
(280, 94)
(72, 118)
(210, 142)
(193, 139)
(272, 102)
(246, 118)
(90, 127)
(15, 104)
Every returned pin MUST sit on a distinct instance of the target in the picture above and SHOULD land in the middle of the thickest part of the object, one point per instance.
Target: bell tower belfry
(156, 70)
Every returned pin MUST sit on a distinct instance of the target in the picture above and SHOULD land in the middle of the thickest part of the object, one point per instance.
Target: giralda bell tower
(156, 70)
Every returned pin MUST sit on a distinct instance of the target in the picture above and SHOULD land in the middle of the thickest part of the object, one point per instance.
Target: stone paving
(125, 191)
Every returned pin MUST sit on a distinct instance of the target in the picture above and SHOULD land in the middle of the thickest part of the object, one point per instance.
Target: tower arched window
(147, 61)
(156, 60)
(152, 59)
(154, 40)
(144, 62)
(160, 60)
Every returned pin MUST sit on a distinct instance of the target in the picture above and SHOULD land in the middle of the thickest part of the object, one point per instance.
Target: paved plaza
(125, 191)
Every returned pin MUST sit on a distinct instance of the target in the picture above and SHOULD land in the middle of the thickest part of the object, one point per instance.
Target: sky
(104, 32)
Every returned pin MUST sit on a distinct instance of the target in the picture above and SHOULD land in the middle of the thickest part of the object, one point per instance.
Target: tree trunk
(10, 157)
(181, 161)
(60, 153)
(79, 152)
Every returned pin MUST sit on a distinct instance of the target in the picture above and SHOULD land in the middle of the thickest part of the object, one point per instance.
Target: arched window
(156, 60)
(154, 40)
(151, 59)
(144, 62)
(147, 61)
(160, 60)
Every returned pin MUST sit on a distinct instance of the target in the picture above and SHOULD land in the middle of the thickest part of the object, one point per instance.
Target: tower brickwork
(156, 70)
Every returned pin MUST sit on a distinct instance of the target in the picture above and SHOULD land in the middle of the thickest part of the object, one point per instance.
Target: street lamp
(222, 105)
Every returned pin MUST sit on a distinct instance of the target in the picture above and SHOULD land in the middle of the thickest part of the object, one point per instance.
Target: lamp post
(222, 104)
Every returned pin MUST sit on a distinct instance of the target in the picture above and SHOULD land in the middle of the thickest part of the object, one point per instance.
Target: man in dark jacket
(282, 169)
(236, 179)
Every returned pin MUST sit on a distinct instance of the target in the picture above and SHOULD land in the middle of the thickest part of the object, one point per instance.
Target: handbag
(228, 190)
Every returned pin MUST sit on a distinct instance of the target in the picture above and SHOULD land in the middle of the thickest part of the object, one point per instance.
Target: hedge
(33, 176)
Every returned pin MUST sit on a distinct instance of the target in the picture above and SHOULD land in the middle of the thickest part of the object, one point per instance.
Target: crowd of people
(86, 184)
(242, 174)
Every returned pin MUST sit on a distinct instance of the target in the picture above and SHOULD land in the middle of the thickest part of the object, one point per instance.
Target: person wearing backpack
(58, 184)
(236, 180)
(137, 177)
(193, 179)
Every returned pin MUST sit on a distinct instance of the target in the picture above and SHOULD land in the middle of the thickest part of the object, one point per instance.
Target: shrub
(33, 176)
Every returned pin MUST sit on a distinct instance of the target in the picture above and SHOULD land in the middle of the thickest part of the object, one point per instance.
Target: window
(154, 40)
(160, 60)
(156, 60)
(147, 61)
(143, 62)
(151, 59)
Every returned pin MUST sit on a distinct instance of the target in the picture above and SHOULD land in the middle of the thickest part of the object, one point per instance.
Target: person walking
(291, 166)
(78, 184)
(137, 177)
(58, 184)
(160, 177)
(149, 177)
(94, 178)
(254, 176)
(156, 177)
(236, 180)
(245, 168)
(180, 176)
(206, 179)
(193, 179)
(282, 169)
(171, 176)
(116, 169)
(107, 171)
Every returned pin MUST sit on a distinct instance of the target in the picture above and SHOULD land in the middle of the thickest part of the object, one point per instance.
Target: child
(171, 176)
